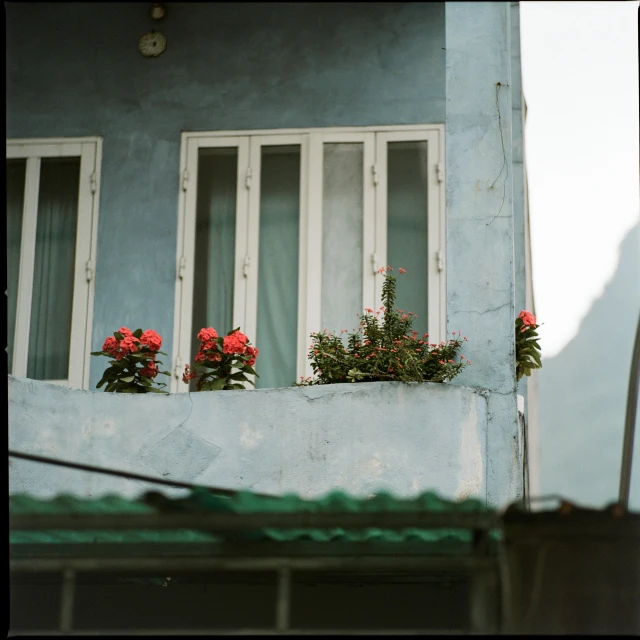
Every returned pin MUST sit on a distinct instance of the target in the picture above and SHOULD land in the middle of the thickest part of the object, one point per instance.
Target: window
(281, 233)
(52, 209)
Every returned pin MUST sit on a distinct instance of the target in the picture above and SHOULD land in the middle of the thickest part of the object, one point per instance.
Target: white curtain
(342, 219)
(407, 225)
(215, 242)
(277, 322)
(15, 202)
(51, 302)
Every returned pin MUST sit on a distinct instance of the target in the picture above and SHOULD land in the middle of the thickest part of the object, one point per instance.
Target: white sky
(580, 78)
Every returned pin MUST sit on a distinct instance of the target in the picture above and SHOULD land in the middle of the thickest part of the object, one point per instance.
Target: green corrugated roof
(202, 500)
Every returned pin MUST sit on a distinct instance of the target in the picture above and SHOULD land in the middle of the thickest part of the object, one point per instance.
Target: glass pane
(407, 225)
(342, 215)
(278, 266)
(213, 276)
(16, 171)
(51, 302)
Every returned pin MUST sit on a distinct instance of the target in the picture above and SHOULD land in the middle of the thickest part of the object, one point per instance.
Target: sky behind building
(580, 78)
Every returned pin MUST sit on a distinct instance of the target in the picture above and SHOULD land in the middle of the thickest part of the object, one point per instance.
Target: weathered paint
(480, 221)
(362, 437)
(227, 66)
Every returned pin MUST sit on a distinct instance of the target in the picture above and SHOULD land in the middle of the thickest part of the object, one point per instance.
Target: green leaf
(128, 379)
(216, 385)
(118, 335)
(239, 376)
(137, 333)
(250, 369)
(99, 353)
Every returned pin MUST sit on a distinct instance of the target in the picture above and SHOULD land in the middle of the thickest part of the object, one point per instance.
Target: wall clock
(152, 44)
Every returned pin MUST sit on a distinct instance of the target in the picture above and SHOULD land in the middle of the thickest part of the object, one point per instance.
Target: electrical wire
(127, 474)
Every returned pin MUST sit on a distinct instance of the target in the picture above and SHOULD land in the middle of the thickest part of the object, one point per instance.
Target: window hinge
(374, 263)
(178, 371)
(93, 182)
(440, 260)
(440, 171)
(182, 265)
(185, 179)
(88, 269)
(375, 174)
(245, 266)
(247, 180)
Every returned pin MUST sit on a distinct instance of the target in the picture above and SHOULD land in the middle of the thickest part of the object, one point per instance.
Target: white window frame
(311, 141)
(89, 150)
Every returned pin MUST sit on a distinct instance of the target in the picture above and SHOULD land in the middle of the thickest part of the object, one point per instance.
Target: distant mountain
(583, 394)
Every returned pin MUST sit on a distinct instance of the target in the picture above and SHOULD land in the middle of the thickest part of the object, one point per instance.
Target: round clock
(152, 44)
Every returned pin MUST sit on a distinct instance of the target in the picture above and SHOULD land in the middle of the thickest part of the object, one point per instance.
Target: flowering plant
(384, 348)
(133, 365)
(527, 346)
(222, 362)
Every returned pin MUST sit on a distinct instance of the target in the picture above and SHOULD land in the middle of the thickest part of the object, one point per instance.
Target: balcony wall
(362, 438)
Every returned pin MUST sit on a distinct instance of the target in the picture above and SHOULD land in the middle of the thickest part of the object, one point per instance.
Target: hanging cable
(127, 474)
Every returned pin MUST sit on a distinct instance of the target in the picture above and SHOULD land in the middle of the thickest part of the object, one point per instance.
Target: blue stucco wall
(480, 214)
(73, 69)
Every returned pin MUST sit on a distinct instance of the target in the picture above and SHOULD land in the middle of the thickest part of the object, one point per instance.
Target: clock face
(152, 44)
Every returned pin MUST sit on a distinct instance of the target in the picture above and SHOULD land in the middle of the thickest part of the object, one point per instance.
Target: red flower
(124, 331)
(253, 352)
(188, 375)
(401, 270)
(235, 343)
(129, 344)
(150, 371)
(151, 339)
(208, 334)
(200, 357)
(527, 318)
(110, 345)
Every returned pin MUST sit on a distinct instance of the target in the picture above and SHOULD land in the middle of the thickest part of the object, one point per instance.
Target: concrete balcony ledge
(362, 438)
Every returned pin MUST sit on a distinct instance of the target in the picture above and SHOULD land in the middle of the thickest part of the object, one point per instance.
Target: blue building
(253, 165)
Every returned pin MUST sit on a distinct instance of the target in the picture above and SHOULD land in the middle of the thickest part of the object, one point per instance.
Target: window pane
(51, 302)
(278, 266)
(213, 276)
(16, 171)
(342, 214)
(407, 217)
